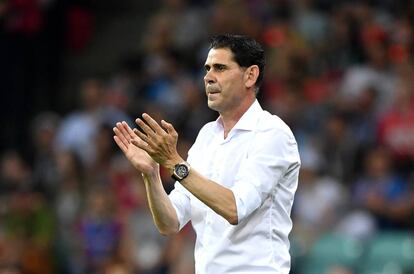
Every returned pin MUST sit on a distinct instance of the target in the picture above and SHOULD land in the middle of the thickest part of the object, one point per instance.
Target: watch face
(181, 170)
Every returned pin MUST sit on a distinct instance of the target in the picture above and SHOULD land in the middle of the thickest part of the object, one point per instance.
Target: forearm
(162, 210)
(160, 143)
(215, 196)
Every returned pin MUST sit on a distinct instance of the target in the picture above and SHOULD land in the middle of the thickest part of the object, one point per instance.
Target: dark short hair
(246, 51)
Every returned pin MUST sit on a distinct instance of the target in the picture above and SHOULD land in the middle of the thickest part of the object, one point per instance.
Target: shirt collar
(248, 121)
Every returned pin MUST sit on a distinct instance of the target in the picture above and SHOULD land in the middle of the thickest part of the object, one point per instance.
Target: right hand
(138, 157)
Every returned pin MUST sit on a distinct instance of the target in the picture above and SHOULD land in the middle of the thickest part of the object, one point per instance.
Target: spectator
(339, 73)
(101, 234)
(396, 127)
(44, 128)
(319, 202)
(381, 191)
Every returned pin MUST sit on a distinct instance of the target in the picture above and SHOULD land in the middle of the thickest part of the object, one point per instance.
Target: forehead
(220, 56)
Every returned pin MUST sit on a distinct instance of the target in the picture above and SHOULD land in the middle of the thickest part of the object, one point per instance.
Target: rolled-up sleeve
(267, 161)
(181, 204)
(180, 198)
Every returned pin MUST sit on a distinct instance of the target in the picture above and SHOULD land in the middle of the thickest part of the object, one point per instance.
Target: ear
(250, 76)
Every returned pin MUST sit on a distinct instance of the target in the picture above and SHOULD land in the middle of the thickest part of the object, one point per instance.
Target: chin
(212, 105)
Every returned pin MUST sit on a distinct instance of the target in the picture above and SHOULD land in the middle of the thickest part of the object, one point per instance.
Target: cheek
(231, 83)
(235, 86)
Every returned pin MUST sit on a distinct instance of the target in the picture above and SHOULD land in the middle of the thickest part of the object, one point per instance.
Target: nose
(209, 78)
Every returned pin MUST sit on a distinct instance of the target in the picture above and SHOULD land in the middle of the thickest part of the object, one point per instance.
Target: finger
(120, 134)
(141, 144)
(120, 144)
(141, 135)
(128, 130)
(144, 138)
(169, 128)
(123, 132)
(149, 131)
(153, 124)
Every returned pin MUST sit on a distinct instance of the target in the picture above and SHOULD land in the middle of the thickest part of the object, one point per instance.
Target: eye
(220, 67)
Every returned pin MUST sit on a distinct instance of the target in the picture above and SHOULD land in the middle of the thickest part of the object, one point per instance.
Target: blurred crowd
(340, 73)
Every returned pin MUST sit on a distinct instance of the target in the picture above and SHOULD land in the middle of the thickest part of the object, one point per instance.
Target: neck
(230, 118)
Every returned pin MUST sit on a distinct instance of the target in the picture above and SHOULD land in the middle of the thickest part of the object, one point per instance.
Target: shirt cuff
(178, 201)
(247, 199)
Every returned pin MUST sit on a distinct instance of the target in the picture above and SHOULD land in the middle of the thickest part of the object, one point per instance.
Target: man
(238, 183)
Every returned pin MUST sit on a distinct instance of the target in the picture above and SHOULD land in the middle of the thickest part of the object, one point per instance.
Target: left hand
(160, 142)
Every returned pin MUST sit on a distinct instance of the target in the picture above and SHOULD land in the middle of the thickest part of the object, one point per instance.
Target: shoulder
(274, 137)
(272, 124)
(203, 136)
(206, 131)
(207, 127)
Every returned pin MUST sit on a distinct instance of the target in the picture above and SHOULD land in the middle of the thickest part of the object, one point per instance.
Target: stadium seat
(332, 250)
(390, 253)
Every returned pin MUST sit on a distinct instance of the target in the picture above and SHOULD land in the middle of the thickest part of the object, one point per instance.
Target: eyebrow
(216, 66)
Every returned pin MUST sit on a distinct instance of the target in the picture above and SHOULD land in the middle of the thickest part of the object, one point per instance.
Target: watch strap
(177, 171)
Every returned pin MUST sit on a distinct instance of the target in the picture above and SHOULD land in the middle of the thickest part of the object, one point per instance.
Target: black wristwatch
(181, 171)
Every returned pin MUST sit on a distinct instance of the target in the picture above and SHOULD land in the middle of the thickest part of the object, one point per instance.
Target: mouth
(212, 90)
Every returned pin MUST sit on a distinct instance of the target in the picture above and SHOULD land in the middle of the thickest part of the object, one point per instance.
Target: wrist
(170, 165)
(181, 171)
(152, 174)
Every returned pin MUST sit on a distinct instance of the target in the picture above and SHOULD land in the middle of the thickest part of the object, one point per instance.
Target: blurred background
(340, 73)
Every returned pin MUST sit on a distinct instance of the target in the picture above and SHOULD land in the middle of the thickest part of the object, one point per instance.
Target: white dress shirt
(259, 162)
